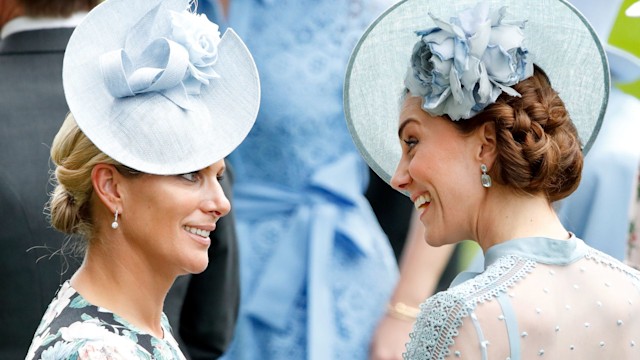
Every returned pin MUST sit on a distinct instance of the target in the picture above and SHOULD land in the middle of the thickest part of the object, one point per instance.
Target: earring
(114, 224)
(485, 179)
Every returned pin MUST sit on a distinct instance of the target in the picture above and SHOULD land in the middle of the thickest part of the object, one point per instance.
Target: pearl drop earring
(114, 224)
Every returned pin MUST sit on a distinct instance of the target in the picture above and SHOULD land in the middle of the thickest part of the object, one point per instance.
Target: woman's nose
(224, 206)
(401, 178)
(217, 202)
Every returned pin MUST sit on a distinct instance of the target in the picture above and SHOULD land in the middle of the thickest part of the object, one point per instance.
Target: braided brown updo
(74, 156)
(538, 146)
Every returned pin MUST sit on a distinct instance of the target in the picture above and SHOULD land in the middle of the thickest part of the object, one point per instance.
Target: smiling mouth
(422, 200)
(196, 231)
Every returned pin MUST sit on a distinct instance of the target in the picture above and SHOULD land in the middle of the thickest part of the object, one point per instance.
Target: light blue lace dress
(537, 298)
(316, 269)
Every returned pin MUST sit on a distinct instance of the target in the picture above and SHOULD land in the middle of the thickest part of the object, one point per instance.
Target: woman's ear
(488, 150)
(107, 184)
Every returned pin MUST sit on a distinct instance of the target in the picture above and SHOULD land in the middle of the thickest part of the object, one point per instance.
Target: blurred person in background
(317, 271)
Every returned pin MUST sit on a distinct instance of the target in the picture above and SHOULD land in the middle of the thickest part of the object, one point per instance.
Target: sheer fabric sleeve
(442, 318)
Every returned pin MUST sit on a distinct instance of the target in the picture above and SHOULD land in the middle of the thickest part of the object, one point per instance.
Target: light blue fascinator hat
(154, 85)
(459, 56)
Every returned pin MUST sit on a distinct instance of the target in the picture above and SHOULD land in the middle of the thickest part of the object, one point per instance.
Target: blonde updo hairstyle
(539, 150)
(74, 156)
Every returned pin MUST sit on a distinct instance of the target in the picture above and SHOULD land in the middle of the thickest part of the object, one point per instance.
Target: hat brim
(148, 132)
(558, 37)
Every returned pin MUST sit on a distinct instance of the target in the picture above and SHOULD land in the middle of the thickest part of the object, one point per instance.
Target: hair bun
(63, 211)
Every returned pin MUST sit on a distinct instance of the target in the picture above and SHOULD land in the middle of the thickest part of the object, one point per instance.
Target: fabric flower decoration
(462, 66)
(201, 38)
(176, 62)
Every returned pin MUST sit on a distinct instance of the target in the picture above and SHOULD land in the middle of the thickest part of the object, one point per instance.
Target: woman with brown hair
(487, 146)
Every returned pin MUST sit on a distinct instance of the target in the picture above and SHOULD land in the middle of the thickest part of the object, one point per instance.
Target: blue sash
(331, 208)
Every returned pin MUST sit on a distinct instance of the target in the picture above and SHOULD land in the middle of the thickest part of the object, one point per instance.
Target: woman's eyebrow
(405, 123)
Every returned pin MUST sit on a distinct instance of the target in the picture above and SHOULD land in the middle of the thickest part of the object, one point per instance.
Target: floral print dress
(72, 328)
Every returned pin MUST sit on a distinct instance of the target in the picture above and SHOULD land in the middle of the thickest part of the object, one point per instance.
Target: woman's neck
(507, 216)
(116, 278)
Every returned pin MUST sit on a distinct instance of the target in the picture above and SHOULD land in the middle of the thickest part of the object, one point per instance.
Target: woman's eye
(192, 177)
(220, 177)
(410, 142)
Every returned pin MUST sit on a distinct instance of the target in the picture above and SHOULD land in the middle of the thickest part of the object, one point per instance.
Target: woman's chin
(197, 266)
(433, 240)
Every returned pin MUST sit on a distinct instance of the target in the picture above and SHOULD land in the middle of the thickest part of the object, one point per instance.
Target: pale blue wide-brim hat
(559, 40)
(156, 88)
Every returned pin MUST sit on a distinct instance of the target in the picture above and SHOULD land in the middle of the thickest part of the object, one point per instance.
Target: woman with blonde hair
(157, 101)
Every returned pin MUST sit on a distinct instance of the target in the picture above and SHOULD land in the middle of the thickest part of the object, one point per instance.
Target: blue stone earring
(485, 179)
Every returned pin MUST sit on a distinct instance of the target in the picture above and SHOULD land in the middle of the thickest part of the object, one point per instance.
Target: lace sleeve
(438, 323)
(441, 317)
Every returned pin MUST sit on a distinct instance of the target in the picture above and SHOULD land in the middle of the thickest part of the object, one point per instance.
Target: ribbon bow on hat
(176, 64)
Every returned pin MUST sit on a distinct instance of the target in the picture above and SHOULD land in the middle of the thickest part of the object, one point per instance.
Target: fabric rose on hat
(460, 67)
(201, 38)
